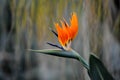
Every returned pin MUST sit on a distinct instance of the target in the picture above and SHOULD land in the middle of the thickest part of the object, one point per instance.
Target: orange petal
(74, 25)
(62, 34)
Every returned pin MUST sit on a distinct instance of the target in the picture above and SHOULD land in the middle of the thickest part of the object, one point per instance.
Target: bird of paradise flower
(66, 33)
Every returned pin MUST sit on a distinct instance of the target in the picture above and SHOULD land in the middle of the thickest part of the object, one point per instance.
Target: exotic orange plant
(66, 33)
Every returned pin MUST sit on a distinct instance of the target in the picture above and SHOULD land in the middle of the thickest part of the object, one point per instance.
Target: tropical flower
(66, 33)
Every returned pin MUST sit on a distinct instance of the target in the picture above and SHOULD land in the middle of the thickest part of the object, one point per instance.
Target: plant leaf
(62, 53)
(97, 70)
(57, 52)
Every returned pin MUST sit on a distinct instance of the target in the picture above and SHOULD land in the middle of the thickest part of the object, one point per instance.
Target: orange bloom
(67, 33)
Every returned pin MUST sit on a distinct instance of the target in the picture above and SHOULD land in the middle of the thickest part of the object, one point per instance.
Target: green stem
(82, 60)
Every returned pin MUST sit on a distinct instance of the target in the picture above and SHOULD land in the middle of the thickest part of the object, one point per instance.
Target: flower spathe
(66, 33)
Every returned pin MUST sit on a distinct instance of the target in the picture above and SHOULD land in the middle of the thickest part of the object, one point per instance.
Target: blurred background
(24, 24)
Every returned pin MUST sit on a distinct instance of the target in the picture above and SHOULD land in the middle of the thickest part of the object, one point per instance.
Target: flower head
(66, 33)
